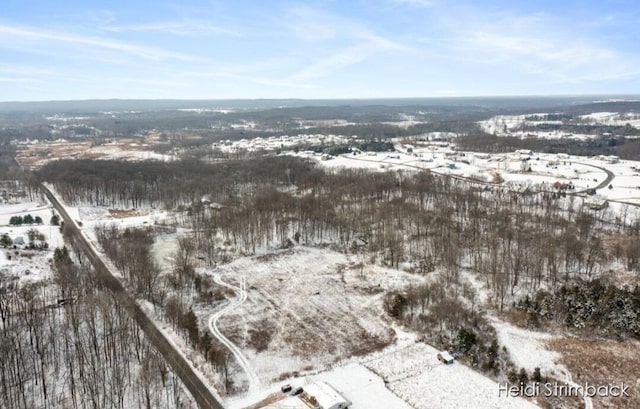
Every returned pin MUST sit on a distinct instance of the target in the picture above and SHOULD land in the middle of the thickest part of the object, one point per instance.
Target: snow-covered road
(254, 382)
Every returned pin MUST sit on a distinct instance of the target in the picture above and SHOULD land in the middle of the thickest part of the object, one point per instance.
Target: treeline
(9, 169)
(34, 129)
(482, 142)
(130, 251)
(27, 219)
(594, 307)
(79, 350)
(585, 129)
(168, 184)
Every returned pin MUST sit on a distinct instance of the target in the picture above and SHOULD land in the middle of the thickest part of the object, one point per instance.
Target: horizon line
(117, 99)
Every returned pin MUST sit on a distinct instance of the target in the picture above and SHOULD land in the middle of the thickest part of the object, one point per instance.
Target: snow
(511, 125)
(314, 305)
(612, 118)
(405, 374)
(546, 169)
(528, 350)
(599, 116)
(409, 377)
(362, 387)
(33, 266)
(3, 259)
(194, 359)
(35, 155)
(163, 250)
(412, 371)
(25, 264)
(254, 382)
(321, 291)
(7, 211)
(274, 143)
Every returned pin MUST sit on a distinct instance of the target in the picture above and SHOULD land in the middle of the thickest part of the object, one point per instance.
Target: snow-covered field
(528, 349)
(22, 263)
(414, 373)
(34, 154)
(612, 118)
(319, 309)
(306, 308)
(407, 375)
(512, 125)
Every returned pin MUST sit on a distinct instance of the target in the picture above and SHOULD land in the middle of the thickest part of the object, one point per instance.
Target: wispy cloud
(345, 57)
(348, 42)
(260, 80)
(151, 82)
(187, 29)
(414, 3)
(23, 70)
(20, 80)
(310, 25)
(21, 38)
(538, 44)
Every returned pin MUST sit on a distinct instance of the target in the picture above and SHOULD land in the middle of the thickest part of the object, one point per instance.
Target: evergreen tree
(5, 241)
(191, 325)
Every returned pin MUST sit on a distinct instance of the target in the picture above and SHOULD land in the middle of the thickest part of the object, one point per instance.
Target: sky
(316, 49)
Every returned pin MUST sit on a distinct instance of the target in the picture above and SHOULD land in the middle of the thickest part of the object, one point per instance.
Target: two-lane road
(205, 398)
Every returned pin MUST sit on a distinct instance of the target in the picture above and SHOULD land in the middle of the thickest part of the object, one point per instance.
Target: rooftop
(315, 395)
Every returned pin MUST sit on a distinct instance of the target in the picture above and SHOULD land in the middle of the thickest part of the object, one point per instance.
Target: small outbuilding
(445, 357)
(324, 396)
(318, 395)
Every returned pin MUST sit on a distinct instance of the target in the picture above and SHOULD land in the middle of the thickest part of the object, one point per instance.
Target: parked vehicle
(445, 357)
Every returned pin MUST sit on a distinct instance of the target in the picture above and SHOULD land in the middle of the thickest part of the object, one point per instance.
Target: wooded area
(79, 351)
(511, 239)
(517, 243)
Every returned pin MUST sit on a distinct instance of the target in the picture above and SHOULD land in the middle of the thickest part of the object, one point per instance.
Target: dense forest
(79, 351)
(425, 222)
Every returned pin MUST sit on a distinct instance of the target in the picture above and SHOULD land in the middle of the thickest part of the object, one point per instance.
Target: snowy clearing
(306, 309)
(528, 349)
(413, 372)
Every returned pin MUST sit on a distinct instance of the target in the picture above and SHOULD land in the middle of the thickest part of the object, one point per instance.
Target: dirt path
(254, 382)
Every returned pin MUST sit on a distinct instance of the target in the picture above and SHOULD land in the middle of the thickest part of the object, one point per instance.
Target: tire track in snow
(588, 404)
(254, 382)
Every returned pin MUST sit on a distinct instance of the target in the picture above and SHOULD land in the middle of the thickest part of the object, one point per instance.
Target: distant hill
(99, 105)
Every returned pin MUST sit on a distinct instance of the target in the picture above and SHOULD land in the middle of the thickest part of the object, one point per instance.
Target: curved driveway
(254, 382)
